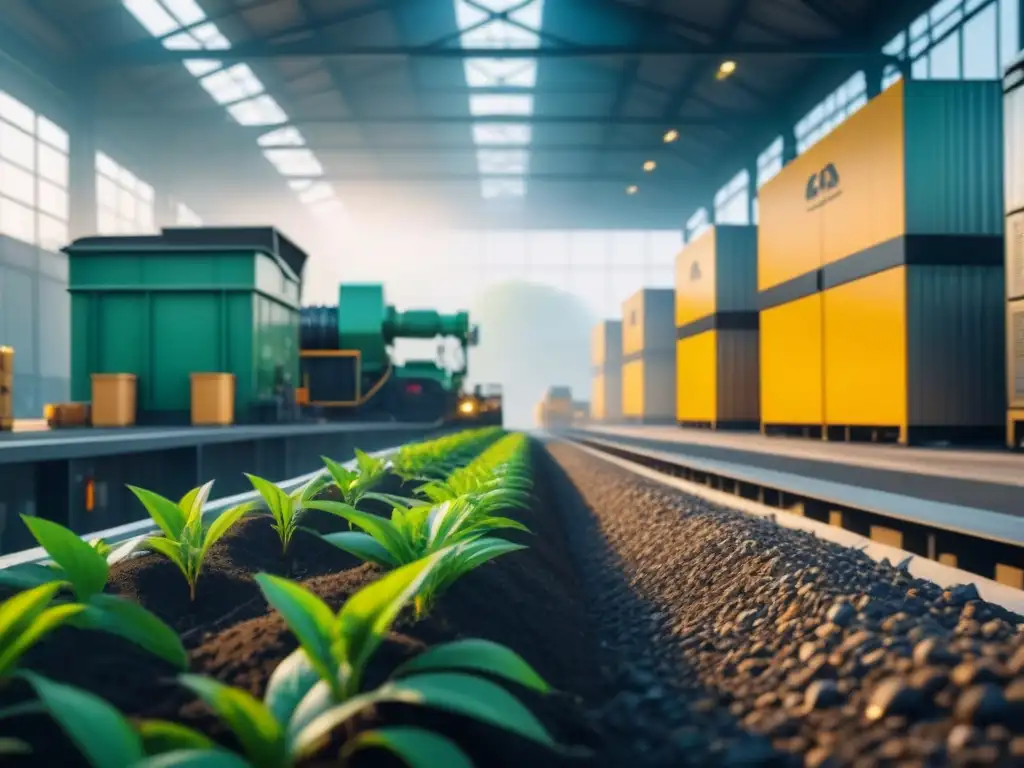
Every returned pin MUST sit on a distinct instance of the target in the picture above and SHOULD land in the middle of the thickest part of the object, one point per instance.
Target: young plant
(286, 508)
(455, 527)
(28, 617)
(186, 539)
(80, 565)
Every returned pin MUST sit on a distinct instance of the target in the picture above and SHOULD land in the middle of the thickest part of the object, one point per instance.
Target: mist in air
(531, 337)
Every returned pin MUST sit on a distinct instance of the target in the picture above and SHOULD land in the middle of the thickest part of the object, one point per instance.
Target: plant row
(448, 526)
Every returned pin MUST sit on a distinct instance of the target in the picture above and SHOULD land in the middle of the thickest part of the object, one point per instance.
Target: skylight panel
(187, 12)
(153, 16)
(232, 84)
(282, 136)
(499, 34)
(294, 162)
(491, 104)
(502, 133)
(485, 73)
(262, 110)
(316, 193)
(297, 185)
(501, 160)
(210, 37)
(496, 188)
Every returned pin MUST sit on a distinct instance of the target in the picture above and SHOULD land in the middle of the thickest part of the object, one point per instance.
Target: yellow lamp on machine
(467, 407)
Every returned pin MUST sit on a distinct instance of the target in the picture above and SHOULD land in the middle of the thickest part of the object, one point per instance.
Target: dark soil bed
(528, 600)
(752, 644)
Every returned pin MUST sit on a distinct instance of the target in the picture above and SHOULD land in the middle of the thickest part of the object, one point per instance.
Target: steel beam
(463, 178)
(724, 122)
(329, 148)
(155, 54)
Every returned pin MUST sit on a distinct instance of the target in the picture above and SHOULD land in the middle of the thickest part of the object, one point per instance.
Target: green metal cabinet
(187, 301)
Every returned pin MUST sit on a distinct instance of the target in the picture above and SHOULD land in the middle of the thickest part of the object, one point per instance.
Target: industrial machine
(484, 405)
(346, 367)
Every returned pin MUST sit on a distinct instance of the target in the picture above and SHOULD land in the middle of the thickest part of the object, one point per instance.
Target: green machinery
(346, 365)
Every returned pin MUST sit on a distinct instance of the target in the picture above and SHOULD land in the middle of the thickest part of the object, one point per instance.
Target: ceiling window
(33, 176)
(182, 25)
(831, 111)
(503, 174)
(124, 203)
(732, 201)
(697, 224)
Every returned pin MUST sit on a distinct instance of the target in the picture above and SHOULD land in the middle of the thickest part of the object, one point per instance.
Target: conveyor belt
(48, 445)
(982, 479)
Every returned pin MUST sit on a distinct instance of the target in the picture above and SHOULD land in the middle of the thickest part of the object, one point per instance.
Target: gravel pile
(731, 641)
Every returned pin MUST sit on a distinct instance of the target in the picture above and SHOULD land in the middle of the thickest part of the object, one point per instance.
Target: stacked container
(6, 389)
(1013, 106)
(649, 357)
(606, 360)
(880, 271)
(716, 330)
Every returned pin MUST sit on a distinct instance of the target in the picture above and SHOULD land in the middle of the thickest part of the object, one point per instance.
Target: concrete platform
(981, 479)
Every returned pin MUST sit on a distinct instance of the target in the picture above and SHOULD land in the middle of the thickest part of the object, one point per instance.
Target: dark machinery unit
(346, 366)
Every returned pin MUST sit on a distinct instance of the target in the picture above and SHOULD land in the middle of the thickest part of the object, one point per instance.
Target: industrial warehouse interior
(454, 383)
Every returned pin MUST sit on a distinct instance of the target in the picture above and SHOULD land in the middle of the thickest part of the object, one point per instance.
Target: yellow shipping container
(716, 329)
(880, 271)
(606, 362)
(649, 356)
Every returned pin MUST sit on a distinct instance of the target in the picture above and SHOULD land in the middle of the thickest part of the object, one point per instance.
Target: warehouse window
(769, 162)
(186, 217)
(958, 39)
(33, 176)
(503, 173)
(696, 224)
(732, 201)
(831, 111)
(124, 203)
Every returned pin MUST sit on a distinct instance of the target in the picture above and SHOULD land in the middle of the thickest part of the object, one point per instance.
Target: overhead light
(632, 189)
(725, 69)
(671, 136)
(650, 165)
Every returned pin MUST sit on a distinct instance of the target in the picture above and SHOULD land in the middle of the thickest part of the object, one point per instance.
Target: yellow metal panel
(598, 341)
(633, 388)
(633, 324)
(697, 377)
(791, 364)
(695, 279)
(788, 232)
(598, 407)
(869, 205)
(866, 351)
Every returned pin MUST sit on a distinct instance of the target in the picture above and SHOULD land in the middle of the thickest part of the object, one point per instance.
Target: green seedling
(287, 508)
(85, 570)
(28, 617)
(187, 540)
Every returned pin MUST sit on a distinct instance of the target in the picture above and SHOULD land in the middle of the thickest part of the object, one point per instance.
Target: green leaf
(25, 619)
(368, 615)
(194, 758)
(159, 736)
(471, 697)
(131, 621)
(165, 513)
(379, 528)
(84, 567)
(416, 747)
(278, 502)
(221, 525)
(260, 735)
(101, 733)
(343, 476)
(363, 546)
(125, 550)
(169, 548)
(307, 616)
(193, 502)
(29, 575)
(289, 683)
(14, 747)
(478, 656)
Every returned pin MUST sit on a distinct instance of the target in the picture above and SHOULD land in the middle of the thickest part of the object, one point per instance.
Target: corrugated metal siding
(1013, 146)
(954, 157)
(956, 346)
(35, 311)
(738, 377)
(736, 269)
(659, 308)
(1015, 317)
(659, 386)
